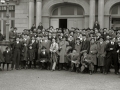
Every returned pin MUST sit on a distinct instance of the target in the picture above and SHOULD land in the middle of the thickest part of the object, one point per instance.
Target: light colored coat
(93, 48)
(101, 53)
(63, 51)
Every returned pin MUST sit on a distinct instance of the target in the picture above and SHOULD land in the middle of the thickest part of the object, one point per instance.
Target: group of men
(76, 50)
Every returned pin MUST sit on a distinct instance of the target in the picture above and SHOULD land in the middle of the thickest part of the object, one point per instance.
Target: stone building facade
(61, 13)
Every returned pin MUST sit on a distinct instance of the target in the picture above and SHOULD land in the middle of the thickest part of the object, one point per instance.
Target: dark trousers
(16, 59)
(7, 65)
(111, 56)
(23, 64)
(45, 65)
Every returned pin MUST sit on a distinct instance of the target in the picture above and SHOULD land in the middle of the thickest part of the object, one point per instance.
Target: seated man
(44, 58)
(86, 62)
(74, 59)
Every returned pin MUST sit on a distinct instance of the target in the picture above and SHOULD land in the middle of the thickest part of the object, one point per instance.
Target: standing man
(85, 44)
(40, 26)
(17, 47)
(111, 55)
(96, 25)
(12, 34)
(62, 61)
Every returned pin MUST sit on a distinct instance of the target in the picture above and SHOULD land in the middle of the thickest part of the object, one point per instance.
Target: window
(12, 13)
(3, 17)
(67, 10)
(12, 23)
(115, 10)
(80, 11)
(55, 12)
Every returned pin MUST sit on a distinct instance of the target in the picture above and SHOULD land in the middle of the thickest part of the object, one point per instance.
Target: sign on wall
(4, 8)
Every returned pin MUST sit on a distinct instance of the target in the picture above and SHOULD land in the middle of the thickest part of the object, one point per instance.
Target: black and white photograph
(59, 44)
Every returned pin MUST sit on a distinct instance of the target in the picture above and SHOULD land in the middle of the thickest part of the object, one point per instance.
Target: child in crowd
(31, 56)
(8, 57)
(24, 56)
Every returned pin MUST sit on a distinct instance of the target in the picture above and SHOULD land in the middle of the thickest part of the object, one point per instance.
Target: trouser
(7, 65)
(62, 66)
(23, 64)
(34, 62)
(30, 63)
(16, 59)
(54, 60)
(54, 65)
(45, 65)
(112, 56)
(95, 68)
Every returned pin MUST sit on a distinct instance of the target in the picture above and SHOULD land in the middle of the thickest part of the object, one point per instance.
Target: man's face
(84, 37)
(17, 39)
(33, 38)
(53, 40)
(101, 40)
(92, 41)
(43, 50)
(84, 54)
(74, 51)
(78, 41)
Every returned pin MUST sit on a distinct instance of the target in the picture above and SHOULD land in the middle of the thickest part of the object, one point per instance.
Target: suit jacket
(40, 27)
(108, 46)
(96, 26)
(85, 46)
(17, 46)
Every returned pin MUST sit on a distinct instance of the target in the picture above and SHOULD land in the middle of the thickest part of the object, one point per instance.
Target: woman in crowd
(101, 53)
(93, 53)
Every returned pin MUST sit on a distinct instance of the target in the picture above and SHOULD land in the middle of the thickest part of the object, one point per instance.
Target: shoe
(90, 72)
(117, 73)
(53, 70)
(105, 73)
(0, 69)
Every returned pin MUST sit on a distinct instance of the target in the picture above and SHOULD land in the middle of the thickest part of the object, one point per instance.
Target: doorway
(62, 23)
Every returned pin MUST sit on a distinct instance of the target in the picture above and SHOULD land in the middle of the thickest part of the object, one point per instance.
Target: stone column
(38, 12)
(31, 13)
(92, 14)
(101, 13)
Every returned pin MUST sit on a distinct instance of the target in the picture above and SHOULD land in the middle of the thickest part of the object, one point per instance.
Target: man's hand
(111, 48)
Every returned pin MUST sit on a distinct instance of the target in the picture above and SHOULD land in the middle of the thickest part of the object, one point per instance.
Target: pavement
(57, 80)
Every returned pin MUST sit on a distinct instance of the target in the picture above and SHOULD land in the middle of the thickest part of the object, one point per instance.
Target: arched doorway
(67, 15)
(115, 16)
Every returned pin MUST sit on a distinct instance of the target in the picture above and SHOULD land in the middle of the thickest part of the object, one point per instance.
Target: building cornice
(38, 0)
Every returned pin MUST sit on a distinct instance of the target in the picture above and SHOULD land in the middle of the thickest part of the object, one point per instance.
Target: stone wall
(21, 15)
